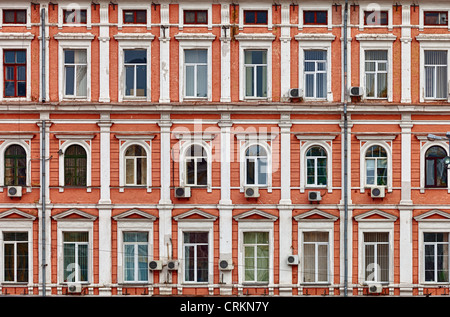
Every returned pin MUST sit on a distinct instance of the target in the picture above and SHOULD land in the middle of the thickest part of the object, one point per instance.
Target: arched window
(75, 166)
(256, 165)
(316, 166)
(15, 166)
(376, 166)
(135, 165)
(196, 166)
(435, 169)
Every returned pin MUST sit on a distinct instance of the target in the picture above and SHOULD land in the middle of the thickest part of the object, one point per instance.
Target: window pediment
(74, 215)
(195, 215)
(315, 215)
(255, 215)
(433, 215)
(134, 215)
(375, 215)
(15, 214)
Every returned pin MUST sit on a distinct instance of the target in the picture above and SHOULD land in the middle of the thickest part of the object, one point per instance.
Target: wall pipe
(345, 154)
(43, 162)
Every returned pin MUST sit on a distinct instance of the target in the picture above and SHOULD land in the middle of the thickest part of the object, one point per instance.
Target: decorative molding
(247, 216)
(186, 216)
(382, 216)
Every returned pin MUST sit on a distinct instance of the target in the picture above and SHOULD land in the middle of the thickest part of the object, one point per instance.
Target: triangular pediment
(433, 215)
(315, 215)
(255, 215)
(375, 215)
(134, 215)
(195, 215)
(16, 214)
(74, 215)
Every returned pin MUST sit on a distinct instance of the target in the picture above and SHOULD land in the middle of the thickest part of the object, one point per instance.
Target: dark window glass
(15, 79)
(15, 16)
(435, 168)
(255, 17)
(135, 16)
(375, 17)
(315, 17)
(435, 18)
(15, 166)
(75, 166)
(75, 16)
(195, 17)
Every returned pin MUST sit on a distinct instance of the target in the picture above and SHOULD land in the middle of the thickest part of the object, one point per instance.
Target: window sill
(19, 284)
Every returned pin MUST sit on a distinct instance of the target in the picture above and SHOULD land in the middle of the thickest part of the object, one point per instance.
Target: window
(75, 16)
(15, 76)
(75, 166)
(135, 63)
(135, 255)
(15, 166)
(135, 16)
(196, 73)
(316, 166)
(376, 256)
(255, 17)
(75, 73)
(435, 74)
(196, 256)
(435, 168)
(435, 18)
(315, 17)
(15, 256)
(255, 66)
(315, 74)
(376, 166)
(196, 166)
(75, 253)
(376, 72)
(135, 165)
(14, 16)
(375, 17)
(195, 16)
(436, 257)
(256, 257)
(315, 257)
(256, 165)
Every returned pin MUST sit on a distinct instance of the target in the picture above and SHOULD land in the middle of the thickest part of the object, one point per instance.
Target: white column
(105, 154)
(285, 158)
(406, 54)
(285, 52)
(164, 64)
(105, 250)
(406, 126)
(104, 53)
(225, 54)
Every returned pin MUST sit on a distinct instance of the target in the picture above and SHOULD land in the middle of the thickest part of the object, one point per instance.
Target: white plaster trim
(314, 6)
(15, 5)
(26, 145)
(68, 5)
(194, 6)
(134, 5)
(370, 6)
(387, 145)
(255, 6)
(82, 141)
(146, 144)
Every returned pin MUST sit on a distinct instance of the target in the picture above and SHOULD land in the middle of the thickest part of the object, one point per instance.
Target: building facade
(224, 148)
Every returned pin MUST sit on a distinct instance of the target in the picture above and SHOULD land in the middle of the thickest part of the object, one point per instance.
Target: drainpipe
(43, 176)
(345, 155)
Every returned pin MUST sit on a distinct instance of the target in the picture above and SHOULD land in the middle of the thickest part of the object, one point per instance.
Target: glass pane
(370, 85)
(202, 80)
(141, 16)
(202, 263)
(382, 85)
(135, 56)
(202, 172)
(9, 89)
(128, 16)
(249, 81)
(309, 265)
(69, 80)
(321, 85)
(441, 82)
(142, 262)
(370, 172)
(190, 81)
(190, 172)
(321, 17)
(189, 16)
(196, 56)
(128, 262)
(189, 261)
(83, 262)
(261, 17)
(261, 81)
(141, 80)
(250, 172)
(81, 78)
(262, 171)
(429, 263)
(129, 80)
(129, 171)
(429, 81)
(202, 16)
(10, 57)
(141, 171)
(322, 263)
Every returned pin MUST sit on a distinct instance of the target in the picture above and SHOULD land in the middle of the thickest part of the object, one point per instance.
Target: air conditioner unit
(356, 91)
(251, 192)
(377, 192)
(74, 288)
(295, 93)
(292, 259)
(155, 265)
(182, 192)
(375, 288)
(14, 191)
(225, 265)
(172, 265)
(314, 196)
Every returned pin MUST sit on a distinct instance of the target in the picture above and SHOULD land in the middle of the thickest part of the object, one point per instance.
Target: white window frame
(85, 142)
(134, 5)
(376, 72)
(255, 41)
(69, 5)
(25, 142)
(24, 223)
(377, 7)
(16, 6)
(130, 41)
(432, 6)
(314, 6)
(145, 141)
(194, 6)
(16, 41)
(145, 224)
(183, 157)
(194, 41)
(252, 6)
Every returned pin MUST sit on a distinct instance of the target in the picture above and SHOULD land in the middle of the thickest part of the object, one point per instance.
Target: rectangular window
(256, 257)
(15, 256)
(75, 73)
(435, 18)
(255, 66)
(376, 72)
(315, 257)
(376, 256)
(135, 63)
(135, 16)
(315, 17)
(195, 16)
(436, 257)
(14, 16)
(75, 16)
(196, 73)
(135, 256)
(436, 74)
(255, 17)
(375, 18)
(316, 74)
(196, 256)
(75, 253)
(15, 73)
